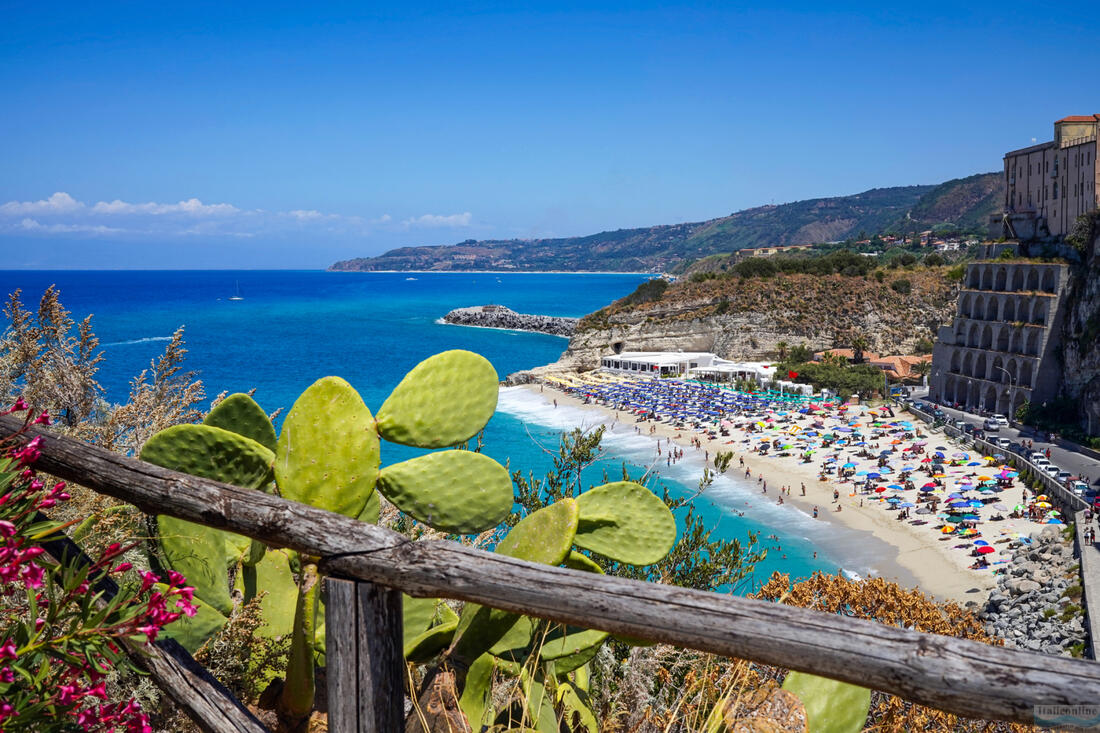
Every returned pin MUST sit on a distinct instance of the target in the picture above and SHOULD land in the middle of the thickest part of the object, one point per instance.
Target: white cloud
(436, 221)
(59, 203)
(191, 207)
(62, 214)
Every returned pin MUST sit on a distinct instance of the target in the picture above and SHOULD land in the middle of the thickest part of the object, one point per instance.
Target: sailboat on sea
(238, 295)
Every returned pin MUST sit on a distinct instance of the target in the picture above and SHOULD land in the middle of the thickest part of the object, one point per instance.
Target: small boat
(238, 295)
(410, 278)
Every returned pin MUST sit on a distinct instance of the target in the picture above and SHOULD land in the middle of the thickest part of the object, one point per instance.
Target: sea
(290, 328)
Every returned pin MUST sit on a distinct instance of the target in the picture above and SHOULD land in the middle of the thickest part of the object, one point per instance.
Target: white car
(1064, 476)
(990, 425)
(1051, 470)
(1000, 420)
(1001, 442)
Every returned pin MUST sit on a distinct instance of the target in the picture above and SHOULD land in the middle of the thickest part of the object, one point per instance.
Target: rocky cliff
(1081, 333)
(747, 319)
(498, 316)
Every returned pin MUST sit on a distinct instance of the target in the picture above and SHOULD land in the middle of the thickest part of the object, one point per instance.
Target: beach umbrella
(1000, 507)
(880, 489)
(924, 510)
(929, 485)
(1053, 520)
(979, 543)
(1041, 497)
(894, 499)
(906, 504)
(908, 469)
(874, 475)
(849, 465)
(948, 529)
(985, 550)
(1018, 508)
(1042, 504)
(975, 503)
(985, 478)
(862, 473)
(955, 520)
(939, 475)
(896, 487)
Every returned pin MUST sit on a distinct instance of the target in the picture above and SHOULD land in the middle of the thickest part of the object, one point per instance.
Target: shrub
(902, 285)
(923, 346)
(956, 273)
(934, 259)
(647, 292)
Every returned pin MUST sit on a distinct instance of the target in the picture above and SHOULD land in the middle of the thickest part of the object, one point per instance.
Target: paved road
(1076, 463)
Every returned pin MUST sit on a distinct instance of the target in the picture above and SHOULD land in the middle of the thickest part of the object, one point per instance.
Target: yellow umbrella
(948, 529)
(1041, 497)
(985, 478)
(1043, 505)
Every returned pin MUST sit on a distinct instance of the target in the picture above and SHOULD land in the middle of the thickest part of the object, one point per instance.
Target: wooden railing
(956, 675)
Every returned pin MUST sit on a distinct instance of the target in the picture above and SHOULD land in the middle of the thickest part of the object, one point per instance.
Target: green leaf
(328, 454)
(624, 521)
(831, 706)
(199, 554)
(475, 701)
(424, 647)
(445, 400)
(453, 491)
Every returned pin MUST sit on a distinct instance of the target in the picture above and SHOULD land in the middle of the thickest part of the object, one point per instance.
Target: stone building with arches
(1001, 349)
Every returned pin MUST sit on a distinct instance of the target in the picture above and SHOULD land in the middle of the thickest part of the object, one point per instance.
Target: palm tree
(859, 345)
(921, 369)
(781, 350)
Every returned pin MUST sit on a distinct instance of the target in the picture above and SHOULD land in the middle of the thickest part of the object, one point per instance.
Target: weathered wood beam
(956, 675)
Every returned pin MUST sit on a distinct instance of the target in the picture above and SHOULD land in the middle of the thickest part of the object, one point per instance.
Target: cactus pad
(423, 648)
(453, 491)
(579, 561)
(544, 536)
(327, 455)
(192, 631)
(626, 522)
(239, 413)
(475, 701)
(210, 452)
(200, 554)
(445, 400)
(577, 708)
(831, 706)
(272, 577)
(573, 641)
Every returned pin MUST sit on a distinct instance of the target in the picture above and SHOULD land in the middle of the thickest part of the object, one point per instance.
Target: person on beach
(815, 512)
(803, 489)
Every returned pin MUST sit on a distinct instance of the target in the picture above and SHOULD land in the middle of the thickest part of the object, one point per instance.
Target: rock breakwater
(1036, 604)
(499, 316)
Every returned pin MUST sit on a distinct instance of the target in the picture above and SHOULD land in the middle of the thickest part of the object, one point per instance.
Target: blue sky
(290, 135)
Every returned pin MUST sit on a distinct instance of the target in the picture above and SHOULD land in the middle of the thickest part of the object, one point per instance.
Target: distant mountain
(965, 203)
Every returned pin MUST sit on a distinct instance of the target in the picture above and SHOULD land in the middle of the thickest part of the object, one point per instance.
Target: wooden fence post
(365, 665)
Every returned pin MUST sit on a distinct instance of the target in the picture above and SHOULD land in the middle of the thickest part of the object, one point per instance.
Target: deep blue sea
(293, 327)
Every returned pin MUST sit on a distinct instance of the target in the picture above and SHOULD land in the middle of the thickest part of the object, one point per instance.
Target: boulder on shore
(499, 316)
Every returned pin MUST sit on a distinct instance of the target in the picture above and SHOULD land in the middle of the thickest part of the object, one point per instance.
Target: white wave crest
(145, 340)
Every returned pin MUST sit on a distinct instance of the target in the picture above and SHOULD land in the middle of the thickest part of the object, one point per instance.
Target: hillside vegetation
(962, 203)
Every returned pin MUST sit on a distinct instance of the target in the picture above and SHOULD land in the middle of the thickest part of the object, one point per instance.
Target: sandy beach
(922, 557)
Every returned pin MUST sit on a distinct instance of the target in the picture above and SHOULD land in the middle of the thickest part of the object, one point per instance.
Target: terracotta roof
(845, 353)
(1080, 118)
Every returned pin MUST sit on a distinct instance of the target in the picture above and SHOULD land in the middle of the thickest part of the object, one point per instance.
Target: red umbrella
(880, 489)
(985, 550)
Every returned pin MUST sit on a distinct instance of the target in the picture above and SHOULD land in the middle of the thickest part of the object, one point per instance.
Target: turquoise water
(371, 328)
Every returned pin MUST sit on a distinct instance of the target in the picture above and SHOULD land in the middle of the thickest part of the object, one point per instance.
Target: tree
(859, 345)
(781, 350)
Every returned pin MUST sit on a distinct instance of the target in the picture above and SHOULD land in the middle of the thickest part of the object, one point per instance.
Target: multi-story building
(1047, 186)
(1002, 348)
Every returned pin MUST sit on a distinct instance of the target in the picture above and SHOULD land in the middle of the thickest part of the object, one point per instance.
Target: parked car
(991, 425)
(1035, 456)
(1081, 488)
(969, 429)
(1052, 470)
(1000, 420)
(958, 424)
(1001, 443)
(1064, 476)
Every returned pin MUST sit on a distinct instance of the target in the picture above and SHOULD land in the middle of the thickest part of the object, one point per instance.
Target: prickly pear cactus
(192, 632)
(200, 554)
(831, 706)
(443, 401)
(239, 413)
(328, 452)
(624, 521)
(453, 491)
(272, 577)
(211, 452)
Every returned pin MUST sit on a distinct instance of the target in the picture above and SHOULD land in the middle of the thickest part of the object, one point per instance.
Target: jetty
(499, 316)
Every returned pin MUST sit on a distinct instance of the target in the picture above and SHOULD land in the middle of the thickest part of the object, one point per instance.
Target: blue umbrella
(980, 543)
(864, 473)
(907, 504)
(873, 475)
(896, 487)
(850, 465)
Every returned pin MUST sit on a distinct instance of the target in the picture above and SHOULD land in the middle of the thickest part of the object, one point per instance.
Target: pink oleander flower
(7, 529)
(33, 575)
(7, 650)
(122, 567)
(148, 580)
(6, 675)
(43, 419)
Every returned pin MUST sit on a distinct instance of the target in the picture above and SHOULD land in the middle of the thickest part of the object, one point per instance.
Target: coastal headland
(499, 316)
